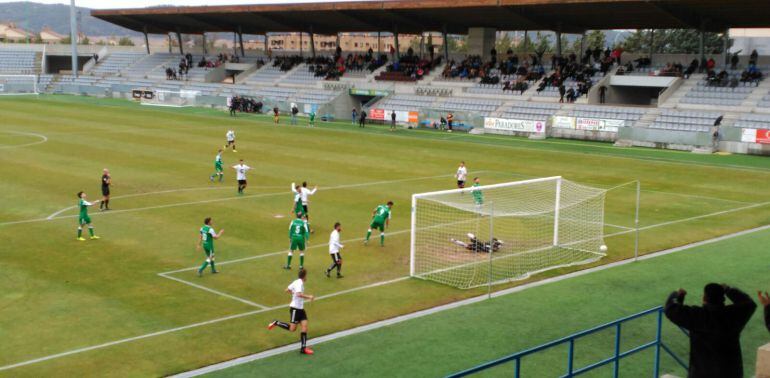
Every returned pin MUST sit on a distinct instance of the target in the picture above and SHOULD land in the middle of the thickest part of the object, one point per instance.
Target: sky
(102, 4)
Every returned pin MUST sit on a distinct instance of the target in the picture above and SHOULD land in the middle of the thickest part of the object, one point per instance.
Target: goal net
(18, 84)
(169, 98)
(497, 233)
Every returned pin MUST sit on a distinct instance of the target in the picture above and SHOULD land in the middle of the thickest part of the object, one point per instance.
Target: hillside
(34, 16)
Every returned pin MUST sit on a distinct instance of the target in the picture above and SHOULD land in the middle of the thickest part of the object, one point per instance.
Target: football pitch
(131, 303)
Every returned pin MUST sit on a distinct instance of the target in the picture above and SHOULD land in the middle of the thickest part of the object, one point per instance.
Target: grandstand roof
(414, 16)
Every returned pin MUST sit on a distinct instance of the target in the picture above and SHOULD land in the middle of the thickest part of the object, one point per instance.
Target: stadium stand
(705, 94)
(530, 111)
(406, 102)
(144, 67)
(265, 75)
(754, 121)
(301, 75)
(697, 121)
(17, 62)
(116, 62)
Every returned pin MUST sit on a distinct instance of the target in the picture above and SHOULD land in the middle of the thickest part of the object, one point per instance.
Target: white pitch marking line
(405, 317)
(42, 140)
(250, 303)
(347, 186)
(449, 306)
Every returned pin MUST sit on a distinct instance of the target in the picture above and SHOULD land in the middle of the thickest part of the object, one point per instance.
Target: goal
(498, 233)
(177, 99)
(18, 84)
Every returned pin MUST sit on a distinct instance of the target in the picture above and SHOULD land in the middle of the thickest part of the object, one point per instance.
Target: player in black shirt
(475, 245)
(106, 182)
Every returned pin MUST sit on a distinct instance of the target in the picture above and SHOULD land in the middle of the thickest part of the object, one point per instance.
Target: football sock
(221, 177)
(80, 231)
(91, 230)
(107, 204)
(282, 325)
(213, 268)
(301, 260)
(331, 267)
(382, 238)
(368, 234)
(288, 260)
(101, 205)
(303, 339)
(203, 267)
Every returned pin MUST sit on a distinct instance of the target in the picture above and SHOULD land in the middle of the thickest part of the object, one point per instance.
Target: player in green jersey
(83, 218)
(298, 235)
(206, 240)
(478, 195)
(311, 121)
(218, 170)
(380, 220)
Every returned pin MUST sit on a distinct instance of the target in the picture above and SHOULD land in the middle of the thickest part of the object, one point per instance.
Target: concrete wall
(481, 41)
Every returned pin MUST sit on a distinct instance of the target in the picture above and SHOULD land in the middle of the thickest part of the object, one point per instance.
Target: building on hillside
(9, 32)
(47, 35)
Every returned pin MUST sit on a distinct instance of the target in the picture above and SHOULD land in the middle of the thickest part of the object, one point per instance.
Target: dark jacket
(715, 348)
(767, 317)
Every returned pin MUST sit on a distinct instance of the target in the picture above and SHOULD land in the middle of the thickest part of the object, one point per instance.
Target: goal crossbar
(15, 79)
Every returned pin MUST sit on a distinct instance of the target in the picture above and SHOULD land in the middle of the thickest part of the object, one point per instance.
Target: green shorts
(218, 168)
(297, 243)
(209, 251)
(378, 224)
(84, 219)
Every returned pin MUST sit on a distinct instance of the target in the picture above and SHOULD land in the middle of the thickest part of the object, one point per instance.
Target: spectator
(715, 329)
(734, 61)
(294, 111)
(96, 58)
(753, 57)
(392, 120)
(276, 115)
(562, 92)
(449, 119)
(354, 116)
(764, 299)
(602, 94)
(710, 64)
(362, 119)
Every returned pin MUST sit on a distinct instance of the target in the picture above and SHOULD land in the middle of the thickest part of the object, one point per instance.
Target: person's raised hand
(764, 298)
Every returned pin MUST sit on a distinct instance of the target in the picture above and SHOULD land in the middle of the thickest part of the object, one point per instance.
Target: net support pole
(636, 220)
(412, 248)
(557, 205)
(491, 246)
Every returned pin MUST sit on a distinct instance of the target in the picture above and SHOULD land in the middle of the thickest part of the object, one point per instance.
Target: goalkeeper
(474, 245)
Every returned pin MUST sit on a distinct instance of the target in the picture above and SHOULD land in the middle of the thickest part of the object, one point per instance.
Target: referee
(106, 183)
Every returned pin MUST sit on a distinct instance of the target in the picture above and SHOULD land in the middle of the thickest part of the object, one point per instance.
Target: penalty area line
(430, 311)
(222, 294)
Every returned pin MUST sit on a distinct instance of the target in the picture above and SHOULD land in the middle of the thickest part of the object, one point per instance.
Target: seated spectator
(715, 329)
(751, 75)
(753, 58)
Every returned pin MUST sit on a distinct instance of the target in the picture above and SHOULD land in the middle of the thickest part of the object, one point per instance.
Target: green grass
(61, 295)
(457, 339)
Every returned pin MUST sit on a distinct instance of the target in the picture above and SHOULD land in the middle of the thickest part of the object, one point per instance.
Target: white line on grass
(346, 186)
(449, 306)
(248, 302)
(42, 140)
(435, 309)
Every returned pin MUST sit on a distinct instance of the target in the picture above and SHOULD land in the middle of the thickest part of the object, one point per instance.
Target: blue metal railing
(618, 355)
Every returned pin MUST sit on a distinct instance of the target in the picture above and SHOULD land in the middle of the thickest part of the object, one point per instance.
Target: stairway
(648, 118)
(39, 63)
(682, 91)
(757, 95)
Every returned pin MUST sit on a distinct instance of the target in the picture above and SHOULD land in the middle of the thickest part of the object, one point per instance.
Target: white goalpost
(11, 85)
(497, 233)
(177, 99)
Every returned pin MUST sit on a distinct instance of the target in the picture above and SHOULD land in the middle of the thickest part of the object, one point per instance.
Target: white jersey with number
(334, 243)
(462, 173)
(240, 170)
(230, 135)
(297, 288)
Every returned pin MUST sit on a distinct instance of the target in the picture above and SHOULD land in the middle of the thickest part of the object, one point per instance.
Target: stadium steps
(648, 118)
(434, 73)
(288, 73)
(38, 63)
(685, 88)
(52, 84)
(755, 97)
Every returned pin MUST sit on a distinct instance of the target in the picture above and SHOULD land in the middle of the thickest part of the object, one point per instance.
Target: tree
(503, 44)
(524, 45)
(674, 41)
(542, 43)
(125, 41)
(457, 44)
(84, 41)
(596, 39)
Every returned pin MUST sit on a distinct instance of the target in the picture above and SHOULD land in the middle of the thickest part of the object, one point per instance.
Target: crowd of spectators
(287, 62)
(569, 69)
(244, 105)
(413, 66)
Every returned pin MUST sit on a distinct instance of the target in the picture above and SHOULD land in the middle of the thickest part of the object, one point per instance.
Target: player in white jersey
(461, 175)
(240, 172)
(301, 194)
(230, 139)
(334, 250)
(297, 311)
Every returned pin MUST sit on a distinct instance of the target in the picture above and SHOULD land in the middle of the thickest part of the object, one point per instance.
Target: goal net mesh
(170, 98)
(498, 233)
(18, 84)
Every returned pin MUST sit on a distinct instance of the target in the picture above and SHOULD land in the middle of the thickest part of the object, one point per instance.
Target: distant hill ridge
(34, 16)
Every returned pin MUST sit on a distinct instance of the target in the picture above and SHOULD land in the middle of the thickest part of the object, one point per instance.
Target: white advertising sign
(503, 124)
(597, 124)
(563, 122)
